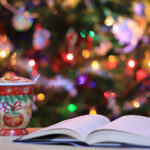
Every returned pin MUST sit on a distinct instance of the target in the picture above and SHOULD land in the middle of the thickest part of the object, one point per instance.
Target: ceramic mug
(15, 105)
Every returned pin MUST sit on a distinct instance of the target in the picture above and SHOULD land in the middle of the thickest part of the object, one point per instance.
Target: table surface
(6, 143)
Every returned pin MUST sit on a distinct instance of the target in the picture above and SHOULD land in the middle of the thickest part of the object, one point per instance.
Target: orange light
(92, 111)
(131, 63)
(31, 62)
(69, 56)
(86, 53)
(40, 97)
(112, 58)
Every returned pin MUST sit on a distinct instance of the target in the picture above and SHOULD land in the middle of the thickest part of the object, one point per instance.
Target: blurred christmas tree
(93, 56)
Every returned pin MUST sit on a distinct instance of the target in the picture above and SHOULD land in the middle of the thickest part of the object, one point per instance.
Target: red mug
(15, 105)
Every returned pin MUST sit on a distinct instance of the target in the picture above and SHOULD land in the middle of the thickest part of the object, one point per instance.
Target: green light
(83, 33)
(72, 107)
(91, 33)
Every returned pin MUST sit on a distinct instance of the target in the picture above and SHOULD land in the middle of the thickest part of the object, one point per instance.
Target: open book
(95, 129)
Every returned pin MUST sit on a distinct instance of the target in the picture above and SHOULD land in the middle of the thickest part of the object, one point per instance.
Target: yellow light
(109, 21)
(92, 111)
(86, 53)
(3, 54)
(149, 64)
(40, 97)
(136, 104)
(95, 65)
(112, 58)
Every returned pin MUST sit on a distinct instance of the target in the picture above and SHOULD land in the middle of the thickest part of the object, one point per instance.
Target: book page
(130, 123)
(82, 125)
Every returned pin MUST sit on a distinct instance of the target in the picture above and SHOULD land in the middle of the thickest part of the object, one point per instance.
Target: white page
(82, 125)
(131, 123)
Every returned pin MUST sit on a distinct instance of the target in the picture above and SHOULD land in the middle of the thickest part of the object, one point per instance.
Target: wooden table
(6, 143)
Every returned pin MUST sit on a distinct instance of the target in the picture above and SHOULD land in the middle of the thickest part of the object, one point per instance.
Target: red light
(31, 62)
(69, 56)
(131, 63)
(109, 94)
(34, 73)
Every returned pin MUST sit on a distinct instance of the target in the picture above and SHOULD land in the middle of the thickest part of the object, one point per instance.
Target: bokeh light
(3, 54)
(72, 107)
(92, 111)
(109, 21)
(83, 33)
(95, 64)
(31, 63)
(86, 53)
(70, 56)
(91, 33)
(82, 79)
(40, 97)
(131, 63)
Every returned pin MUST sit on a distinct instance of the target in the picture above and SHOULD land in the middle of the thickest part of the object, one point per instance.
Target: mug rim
(15, 83)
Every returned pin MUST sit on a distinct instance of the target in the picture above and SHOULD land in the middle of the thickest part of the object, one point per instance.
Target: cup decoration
(15, 105)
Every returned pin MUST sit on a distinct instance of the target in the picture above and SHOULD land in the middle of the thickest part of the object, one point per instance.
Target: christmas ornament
(128, 32)
(103, 48)
(40, 37)
(22, 21)
(5, 46)
(139, 8)
(59, 82)
(89, 41)
(71, 38)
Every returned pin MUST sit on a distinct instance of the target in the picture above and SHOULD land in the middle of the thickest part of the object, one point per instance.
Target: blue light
(82, 80)
(93, 84)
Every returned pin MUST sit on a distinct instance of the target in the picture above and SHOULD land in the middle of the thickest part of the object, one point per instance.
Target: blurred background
(93, 56)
